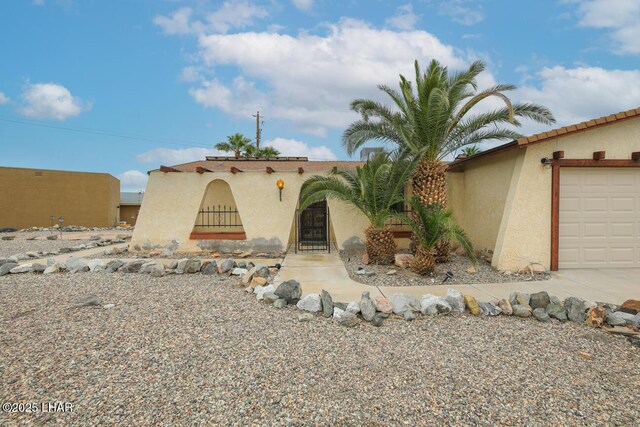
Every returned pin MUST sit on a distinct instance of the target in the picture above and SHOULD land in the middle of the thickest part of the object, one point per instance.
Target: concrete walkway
(316, 272)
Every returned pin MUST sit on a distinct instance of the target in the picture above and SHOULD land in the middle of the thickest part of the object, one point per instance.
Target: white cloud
(51, 101)
(583, 93)
(305, 5)
(310, 79)
(190, 74)
(294, 148)
(621, 17)
(132, 180)
(4, 99)
(465, 12)
(177, 23)
(404, 19)
(232, 14)
(170, 156)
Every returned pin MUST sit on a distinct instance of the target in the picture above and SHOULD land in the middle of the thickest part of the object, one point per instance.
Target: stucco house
(567, 198)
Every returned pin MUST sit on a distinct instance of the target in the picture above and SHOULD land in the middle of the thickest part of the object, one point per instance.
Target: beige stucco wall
(172, 201)
(30, 196)
(478, 195)
(525, 231)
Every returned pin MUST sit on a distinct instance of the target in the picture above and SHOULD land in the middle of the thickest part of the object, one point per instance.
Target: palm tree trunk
(430, 185)
(423, 262)
(380, 245)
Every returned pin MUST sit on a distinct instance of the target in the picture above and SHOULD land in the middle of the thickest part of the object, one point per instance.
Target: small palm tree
(374, 189)
(431, 225)
(252, 151)
(237, 144)
(471, 150)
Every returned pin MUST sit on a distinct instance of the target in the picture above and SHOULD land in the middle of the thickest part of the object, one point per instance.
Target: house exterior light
(280, 184)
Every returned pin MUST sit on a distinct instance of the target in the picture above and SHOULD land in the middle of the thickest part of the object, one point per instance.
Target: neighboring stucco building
(567, 198)
(225, 203)
(31, 196)
(130, 203)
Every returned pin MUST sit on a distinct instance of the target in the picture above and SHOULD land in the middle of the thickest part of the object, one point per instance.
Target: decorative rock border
(255, 279)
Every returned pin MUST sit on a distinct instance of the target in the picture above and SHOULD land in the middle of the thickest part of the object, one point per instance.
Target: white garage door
(599, 218)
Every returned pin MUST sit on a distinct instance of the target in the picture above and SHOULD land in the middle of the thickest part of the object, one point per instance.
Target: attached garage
(563, 199)
(599, 224)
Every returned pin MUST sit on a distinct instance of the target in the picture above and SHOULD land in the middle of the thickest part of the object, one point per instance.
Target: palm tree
(236, 143)
(431, 225)
(437, 119)
(252, 151)
(374, 189)
(471, 150)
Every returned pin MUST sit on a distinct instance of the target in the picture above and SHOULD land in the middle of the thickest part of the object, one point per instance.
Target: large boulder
(311, 303)
(75, 265)
(290, 291)
(353, 307)
(6, 268)
(432, 305)
(95, 263)
(520, 298)
(327, 304)
(455, 300)
(557, 311)
(209, 268)
(620, 318)
(226, 265)
(506, 307)
(402, 303)
(383, 305)
(192, 266)
(344, 317)
(521, 311)
(541, 315)
(261, 290)
(539, 300)
(113, 265)
(367, 307)
(489, 309)
(575, 309)
(631, 306)
(471, 304)
(132, 267)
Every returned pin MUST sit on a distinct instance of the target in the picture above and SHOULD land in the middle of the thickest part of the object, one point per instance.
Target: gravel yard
(457, 265)
(196, 349)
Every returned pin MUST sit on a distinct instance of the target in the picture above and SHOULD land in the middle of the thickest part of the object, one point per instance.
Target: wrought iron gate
(312, 228)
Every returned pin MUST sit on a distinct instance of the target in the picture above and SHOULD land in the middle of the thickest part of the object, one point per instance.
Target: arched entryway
(218, 216)
(313, 230)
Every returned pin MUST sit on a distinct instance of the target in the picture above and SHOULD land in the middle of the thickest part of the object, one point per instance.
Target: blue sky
(126, 85)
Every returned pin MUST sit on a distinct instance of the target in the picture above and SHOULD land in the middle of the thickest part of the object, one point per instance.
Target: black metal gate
(312, 228)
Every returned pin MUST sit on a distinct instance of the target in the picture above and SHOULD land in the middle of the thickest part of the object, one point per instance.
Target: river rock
(260, 291)
(75, 265)
(258, 281)
(520, 298)
(353, 307)
(38, 268)
(506, 307)
(210, 268)
(367, 307)
(262, 271)
(455, 300)
(327, 304)
(377, 320)
(311, 303)
(226, 265)
(539, 300)
(618, 318)
(471, 303)
(575, 309)
(383, 305)
(182, 263)
(93, 263)
(280, 303)
(193, 266)
(401, 303)
(489, 309)
(344, 317)
(24, 268)
(631, 306)
(290, 291)
(131, 267)
(557, 311)
(270, 297)
(521, 311)
(246, 278)
(432, 305)
(6, 268)
(541, 315)
(113, 265)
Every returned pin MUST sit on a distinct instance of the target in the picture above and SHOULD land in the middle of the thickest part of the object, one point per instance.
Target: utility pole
(258, 130)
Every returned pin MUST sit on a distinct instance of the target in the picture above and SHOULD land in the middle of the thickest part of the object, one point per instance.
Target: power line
(183, 143)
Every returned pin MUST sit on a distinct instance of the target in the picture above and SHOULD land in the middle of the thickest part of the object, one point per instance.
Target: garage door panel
(599, 218)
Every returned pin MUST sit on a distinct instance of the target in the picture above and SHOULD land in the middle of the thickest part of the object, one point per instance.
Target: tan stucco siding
(172, 201)
(525, 234)
(30, 196)
(478, 195)
(129, 213)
